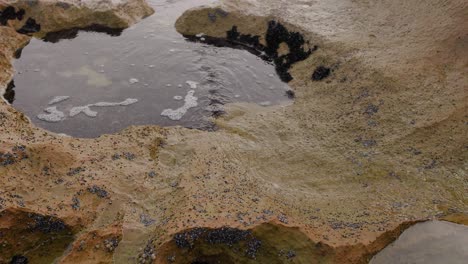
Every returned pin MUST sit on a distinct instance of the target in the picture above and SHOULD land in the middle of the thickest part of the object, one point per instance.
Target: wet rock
(30, 27)
(321, 73)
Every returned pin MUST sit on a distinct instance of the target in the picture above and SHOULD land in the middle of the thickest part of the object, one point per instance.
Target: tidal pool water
(90, 83)
(431, 242)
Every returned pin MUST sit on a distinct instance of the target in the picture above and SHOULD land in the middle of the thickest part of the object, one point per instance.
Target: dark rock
(283, 219)
(76, 203)
(291, 254)
(75, 171)
(100, 192)
(128, 156)
(252, 247)
(290, 94)
(46, 224)
(111, 244)
(10, 92)
(212, 17)
(146, 220)
(371, 109)
(226, 235)
(18, 153)
(19, 259)
(321, 73)
(221, 12)
(63, 5)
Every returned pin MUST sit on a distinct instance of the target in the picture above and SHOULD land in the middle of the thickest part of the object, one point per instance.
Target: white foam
(52, 115)
(199, 35)
(87, 110)
(177, 114)
(58, 99)
(133, 80)
(192, 84)
(83, 109)
(127, 101)
(178, 97)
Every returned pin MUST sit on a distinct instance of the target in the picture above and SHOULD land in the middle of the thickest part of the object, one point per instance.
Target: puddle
(429, 242)
(147, 74)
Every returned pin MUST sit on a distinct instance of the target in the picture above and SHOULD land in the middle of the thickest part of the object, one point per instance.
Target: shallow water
(170, 81)
(429, 243)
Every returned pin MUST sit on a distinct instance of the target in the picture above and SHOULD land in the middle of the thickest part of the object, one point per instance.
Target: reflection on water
(175, 82)
(432, 242)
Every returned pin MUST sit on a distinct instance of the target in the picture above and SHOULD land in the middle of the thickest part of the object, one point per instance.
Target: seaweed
(9, 94)
(30, 27)
(321, 73)
(54, 37)
(9, 13)
(276, 35)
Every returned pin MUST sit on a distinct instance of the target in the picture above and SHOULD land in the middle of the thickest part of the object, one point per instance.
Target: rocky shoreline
(374, 143)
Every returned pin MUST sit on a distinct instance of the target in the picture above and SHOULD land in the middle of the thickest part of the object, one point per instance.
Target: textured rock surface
(377, 145)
